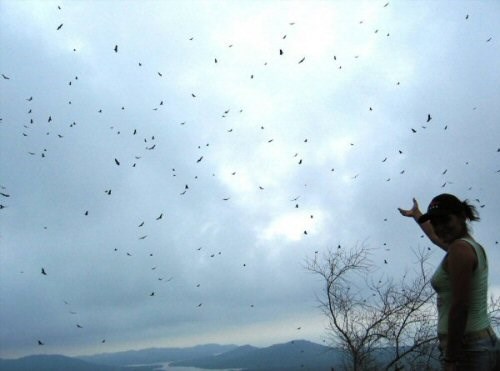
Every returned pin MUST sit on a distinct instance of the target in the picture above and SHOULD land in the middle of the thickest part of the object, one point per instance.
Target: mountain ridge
(157, 355)
(289, 356)
(56, 362)
(296, 354)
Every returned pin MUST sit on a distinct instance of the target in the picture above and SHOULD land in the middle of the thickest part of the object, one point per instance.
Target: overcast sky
(201, 151)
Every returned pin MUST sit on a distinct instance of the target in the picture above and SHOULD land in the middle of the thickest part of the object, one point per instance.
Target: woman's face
(449, 227)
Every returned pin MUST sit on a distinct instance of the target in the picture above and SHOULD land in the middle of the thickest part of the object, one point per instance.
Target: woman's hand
(414, 212)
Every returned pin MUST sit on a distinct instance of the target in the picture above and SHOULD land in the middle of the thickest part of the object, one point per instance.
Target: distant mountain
(292, 356)
(60, 363)
(295, 355)
(157, 355)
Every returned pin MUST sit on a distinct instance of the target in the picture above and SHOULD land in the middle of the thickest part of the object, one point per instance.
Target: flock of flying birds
(150, 144)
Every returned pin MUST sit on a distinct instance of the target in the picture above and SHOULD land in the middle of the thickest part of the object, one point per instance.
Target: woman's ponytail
(470, 211)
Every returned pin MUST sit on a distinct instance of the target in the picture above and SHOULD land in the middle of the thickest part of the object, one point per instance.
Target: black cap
(444, 204)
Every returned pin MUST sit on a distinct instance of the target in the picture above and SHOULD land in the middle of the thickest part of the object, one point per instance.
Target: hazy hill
(291, 356)
(59, 363)
(157, 355)
(298, 354)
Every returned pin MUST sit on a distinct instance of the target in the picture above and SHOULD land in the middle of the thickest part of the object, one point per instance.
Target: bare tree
(379, 324)
(494, 312)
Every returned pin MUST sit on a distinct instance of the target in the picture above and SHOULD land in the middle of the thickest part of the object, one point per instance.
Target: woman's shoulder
(462, 250)
(476, 246)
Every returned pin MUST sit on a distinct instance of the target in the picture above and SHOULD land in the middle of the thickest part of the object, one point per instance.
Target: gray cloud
(254, 286)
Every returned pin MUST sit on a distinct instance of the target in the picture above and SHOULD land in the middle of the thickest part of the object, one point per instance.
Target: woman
(466, 339)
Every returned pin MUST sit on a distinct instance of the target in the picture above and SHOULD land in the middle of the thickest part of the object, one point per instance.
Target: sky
(172, 165)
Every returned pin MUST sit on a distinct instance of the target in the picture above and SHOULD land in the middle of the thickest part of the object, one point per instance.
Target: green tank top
(477, 318)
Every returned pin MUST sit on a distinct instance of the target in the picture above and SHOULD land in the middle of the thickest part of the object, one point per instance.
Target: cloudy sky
(201, 151)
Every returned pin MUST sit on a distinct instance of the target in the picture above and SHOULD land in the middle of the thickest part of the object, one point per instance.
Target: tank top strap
(482, 260)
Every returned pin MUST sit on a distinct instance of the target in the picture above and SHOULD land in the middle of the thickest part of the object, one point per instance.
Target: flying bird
(429, 118)
(302, 60)
(59, 27)
(5, 77)
(43, 272)
(117, 162)
(116, 49)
